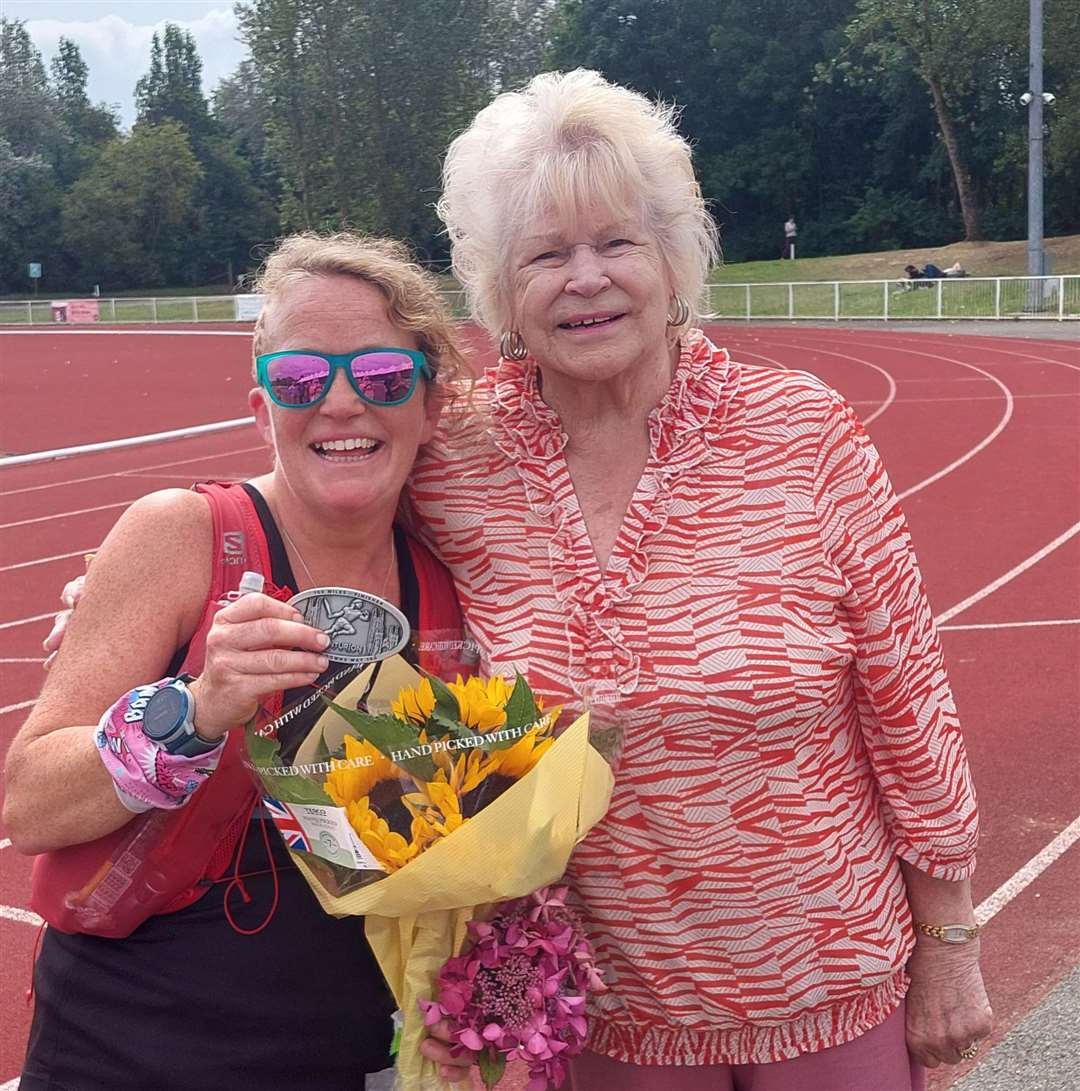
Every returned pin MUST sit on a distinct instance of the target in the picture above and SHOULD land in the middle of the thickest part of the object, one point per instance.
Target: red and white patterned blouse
(762, 638)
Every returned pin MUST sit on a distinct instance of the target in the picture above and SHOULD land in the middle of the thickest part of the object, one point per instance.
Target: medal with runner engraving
(362, 628)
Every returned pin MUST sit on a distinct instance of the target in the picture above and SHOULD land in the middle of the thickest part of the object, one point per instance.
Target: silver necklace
(384, 583)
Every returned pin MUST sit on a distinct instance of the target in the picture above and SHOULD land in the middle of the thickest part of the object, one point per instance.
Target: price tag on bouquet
(362, 628)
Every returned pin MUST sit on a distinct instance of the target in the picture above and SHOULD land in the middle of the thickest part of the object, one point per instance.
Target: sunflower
(364, 767)
(436, 810)
(388, 847)
(515, 761)
(481, 705)
(416, 704)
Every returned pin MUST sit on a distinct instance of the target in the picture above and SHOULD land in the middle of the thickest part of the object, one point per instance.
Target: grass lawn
(980, 259)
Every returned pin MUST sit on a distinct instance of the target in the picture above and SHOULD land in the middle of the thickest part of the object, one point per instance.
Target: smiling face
(341, 457)
(591, 297)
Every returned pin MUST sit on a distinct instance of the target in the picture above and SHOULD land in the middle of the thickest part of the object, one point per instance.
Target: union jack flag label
(323, 831)
(288, 824)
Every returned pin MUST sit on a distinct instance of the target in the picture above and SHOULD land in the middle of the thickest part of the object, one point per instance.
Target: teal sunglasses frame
(341, 361)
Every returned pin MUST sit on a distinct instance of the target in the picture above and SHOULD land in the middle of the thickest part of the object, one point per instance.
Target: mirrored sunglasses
(300, 378)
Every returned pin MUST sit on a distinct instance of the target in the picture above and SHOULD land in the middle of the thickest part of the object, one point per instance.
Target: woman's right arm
(143, 599)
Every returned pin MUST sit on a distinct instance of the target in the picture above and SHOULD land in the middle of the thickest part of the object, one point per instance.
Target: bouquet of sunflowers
(418, 803)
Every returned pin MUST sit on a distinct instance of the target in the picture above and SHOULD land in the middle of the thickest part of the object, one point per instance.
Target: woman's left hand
(947, 1007)
(454, 1062)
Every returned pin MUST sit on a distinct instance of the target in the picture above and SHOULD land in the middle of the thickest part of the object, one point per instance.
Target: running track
(982, 439)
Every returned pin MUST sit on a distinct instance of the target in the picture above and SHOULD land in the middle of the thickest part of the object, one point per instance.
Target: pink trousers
(875, 1061)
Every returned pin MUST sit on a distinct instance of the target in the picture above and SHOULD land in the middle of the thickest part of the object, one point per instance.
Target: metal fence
(210, 308)
(1055, 297)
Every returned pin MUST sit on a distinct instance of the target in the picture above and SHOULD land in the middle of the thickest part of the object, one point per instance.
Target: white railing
(947, 298)
(71, 309)
(1056, 297)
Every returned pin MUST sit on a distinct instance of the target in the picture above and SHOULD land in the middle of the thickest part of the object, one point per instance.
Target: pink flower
(519, 992)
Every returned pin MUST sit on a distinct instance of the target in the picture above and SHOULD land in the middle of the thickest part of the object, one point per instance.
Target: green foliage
(29, 216)
(172, 89)
(265, 755)
(128, 218)
(389, 736)
(877, 123)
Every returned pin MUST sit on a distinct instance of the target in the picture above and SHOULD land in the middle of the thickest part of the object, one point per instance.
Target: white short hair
(570, 142)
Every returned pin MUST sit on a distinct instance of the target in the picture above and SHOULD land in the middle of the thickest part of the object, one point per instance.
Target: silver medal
(362, 628)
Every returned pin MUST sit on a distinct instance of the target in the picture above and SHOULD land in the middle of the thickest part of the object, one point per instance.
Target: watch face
(955, 934)
(164, 712)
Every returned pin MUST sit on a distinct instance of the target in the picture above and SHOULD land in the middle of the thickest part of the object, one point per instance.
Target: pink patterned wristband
(144, 775)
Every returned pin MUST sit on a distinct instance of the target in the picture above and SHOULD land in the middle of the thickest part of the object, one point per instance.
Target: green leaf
(322, 751)
(266, 758)
(521, 710)
(491, 1067)
(390, 736)
(446, 704)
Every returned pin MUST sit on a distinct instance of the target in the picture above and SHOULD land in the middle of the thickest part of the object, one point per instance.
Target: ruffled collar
(526, 427)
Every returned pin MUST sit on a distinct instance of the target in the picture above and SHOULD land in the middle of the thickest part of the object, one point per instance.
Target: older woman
(710, 556)
(276, 993)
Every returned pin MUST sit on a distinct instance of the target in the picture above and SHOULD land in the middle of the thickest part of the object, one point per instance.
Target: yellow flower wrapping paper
(416, 917)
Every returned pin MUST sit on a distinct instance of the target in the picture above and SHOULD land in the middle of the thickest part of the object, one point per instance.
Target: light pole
(1035, 254)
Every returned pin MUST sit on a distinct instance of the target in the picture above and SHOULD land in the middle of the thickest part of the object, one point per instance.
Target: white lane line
(985, 442)
(974, 398)
(23, 916)
(1023, 878)
(986, 345)
(143, 470)
(65, 514)
(1023, 566)
(980, 446)
(1004, 625)
(48, 560)
(39, 660)
(130, 441)
(5, 843)
(11, 1085)
(18, 707)
(26, 620)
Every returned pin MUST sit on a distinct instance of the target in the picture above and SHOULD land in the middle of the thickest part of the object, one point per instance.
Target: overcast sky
(114, 37)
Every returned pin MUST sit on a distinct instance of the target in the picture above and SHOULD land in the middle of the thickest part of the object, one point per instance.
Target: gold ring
(967, 1054)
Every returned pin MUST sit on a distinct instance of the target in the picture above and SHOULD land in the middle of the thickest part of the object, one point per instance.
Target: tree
(172, 89)
(361, 101)
(29, 217)
(742, 77)
(950, 45)
(85, 126)
(28, 120)
(129, 218)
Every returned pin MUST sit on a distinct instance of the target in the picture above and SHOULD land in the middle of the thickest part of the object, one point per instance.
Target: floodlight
(1025, 98)
(1048, 97)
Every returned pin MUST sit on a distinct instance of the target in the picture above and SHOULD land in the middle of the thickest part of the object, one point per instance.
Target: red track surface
(1003, 413)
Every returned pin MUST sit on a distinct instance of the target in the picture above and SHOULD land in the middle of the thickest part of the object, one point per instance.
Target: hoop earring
(682, 312)
(512, 346)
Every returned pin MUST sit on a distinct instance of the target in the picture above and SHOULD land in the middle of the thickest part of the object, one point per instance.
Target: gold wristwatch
(949, 933)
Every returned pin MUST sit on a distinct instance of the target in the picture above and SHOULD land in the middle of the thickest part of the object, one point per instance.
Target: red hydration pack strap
(154, 863)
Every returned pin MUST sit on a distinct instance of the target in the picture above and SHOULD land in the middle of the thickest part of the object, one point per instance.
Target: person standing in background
(789, 238)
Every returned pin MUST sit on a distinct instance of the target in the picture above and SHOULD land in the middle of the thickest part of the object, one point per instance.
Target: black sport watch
(169, 720)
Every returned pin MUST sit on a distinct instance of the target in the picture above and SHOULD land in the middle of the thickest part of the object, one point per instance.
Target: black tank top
(186, 1003)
